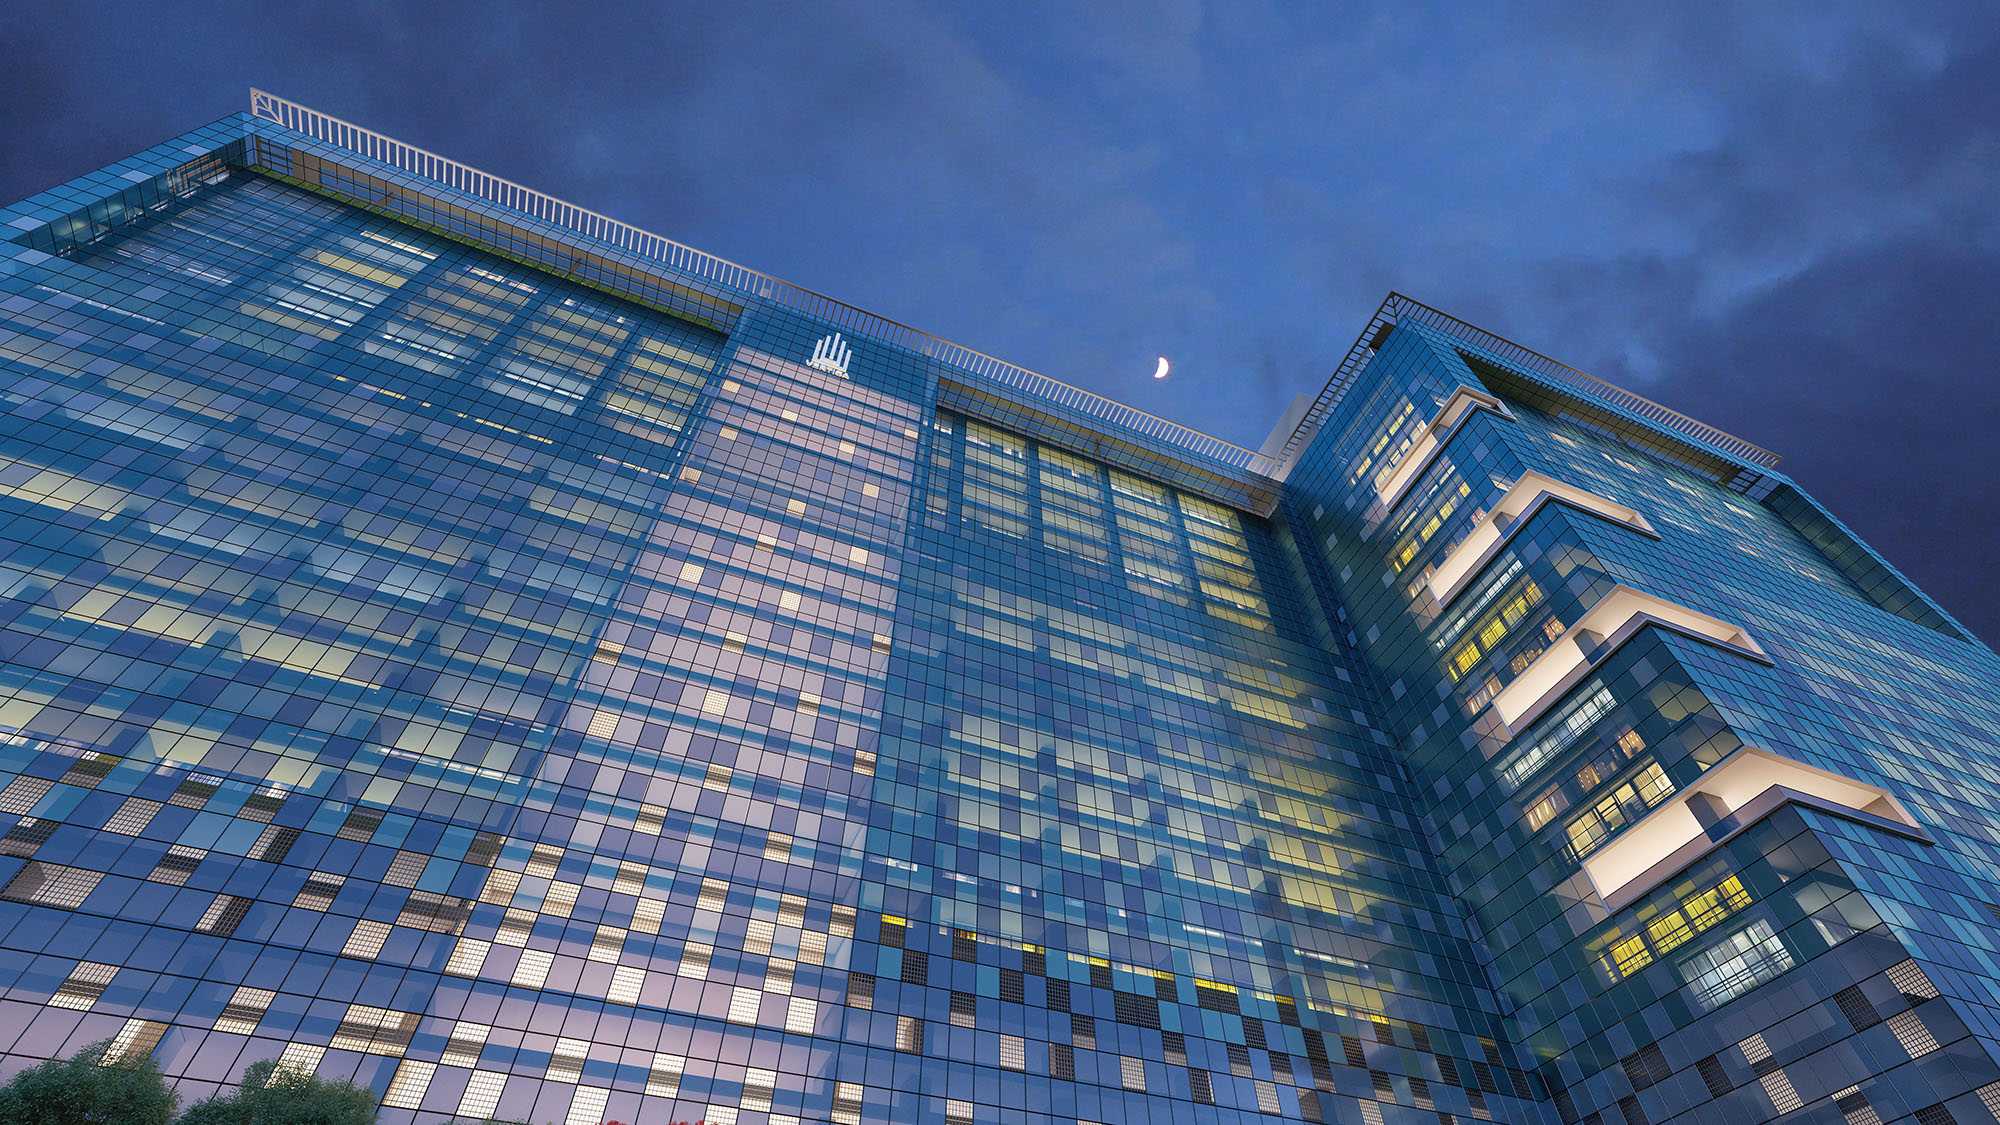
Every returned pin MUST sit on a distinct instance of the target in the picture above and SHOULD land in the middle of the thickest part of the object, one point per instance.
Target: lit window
(664, 1079)
(378, 1031)
(606, 944)
(83, 987)
(406, 1090)
(713, 895)
(482, 1093)
(533, 969)
(1131, 1072)
(560, 899)
(759, 1086)
(50, 884)
(1631, 955)
(847, 1098)
(319, 891)
(245, 1010)
(135, 1040)
(299, 1058)
(566, 1060)
(1735, 965)
(467, 1040)
(223, 915)
(132, 817)
(367, 939)
(1910, 1031)
(626, 983)
(468, 958)
(694, 960)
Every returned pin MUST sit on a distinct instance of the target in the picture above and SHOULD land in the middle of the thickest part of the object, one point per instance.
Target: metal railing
(1398, 308)
(1584, 383)
(686, 260)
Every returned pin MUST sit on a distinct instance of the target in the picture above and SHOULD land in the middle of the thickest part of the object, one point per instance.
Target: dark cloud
(1778, 218)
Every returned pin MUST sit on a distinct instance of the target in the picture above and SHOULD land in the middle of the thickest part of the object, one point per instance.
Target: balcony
(1615, 619)
(1431, 440)
(1513, 511)
(1736, 793)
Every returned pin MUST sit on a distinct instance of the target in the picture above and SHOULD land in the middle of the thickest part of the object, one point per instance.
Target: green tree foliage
(80, 1090)
(271, 1096)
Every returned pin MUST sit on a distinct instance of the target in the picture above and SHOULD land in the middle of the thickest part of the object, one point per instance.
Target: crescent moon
(1160, 372)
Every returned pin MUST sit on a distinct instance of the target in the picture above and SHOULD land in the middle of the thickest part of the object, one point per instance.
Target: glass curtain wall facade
(543, 681)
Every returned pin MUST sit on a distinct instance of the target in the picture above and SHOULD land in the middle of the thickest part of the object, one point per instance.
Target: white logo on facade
(831, 355)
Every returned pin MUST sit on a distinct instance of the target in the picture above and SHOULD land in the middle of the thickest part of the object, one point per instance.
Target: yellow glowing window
(1631, 955)
(1489, 636)
(1712, 906)
(1585, 833)
(1541, 812)
(1669, 931)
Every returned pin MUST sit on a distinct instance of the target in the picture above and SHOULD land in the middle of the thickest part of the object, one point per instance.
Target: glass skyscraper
(458, 643)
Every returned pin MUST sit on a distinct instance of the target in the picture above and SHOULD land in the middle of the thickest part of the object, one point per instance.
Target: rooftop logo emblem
(831, 355)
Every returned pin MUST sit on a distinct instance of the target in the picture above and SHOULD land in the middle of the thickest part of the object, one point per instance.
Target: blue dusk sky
(1781, 219)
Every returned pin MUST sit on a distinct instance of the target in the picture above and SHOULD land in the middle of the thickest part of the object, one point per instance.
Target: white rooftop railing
(686, 260)
(690, 262)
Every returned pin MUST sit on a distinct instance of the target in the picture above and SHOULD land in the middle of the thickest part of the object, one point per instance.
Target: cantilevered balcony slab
(1737, 792)
(1432, 438)
(1513, 511)
(1615, 619)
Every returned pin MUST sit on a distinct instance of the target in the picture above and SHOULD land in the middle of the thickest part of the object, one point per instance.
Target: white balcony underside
(1508, 516)
(1431, 440)
(1739, 791)
(1615, 619)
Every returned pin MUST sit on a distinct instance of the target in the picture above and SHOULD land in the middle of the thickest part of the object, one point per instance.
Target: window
(1593, 703)
(319, 891)
(482, 1093)
(467, 1040)
(566, 1060)
(367, 940)
(532, 971)
(245, 1010)
(664, 1079)
(379, 1031)
(627, 982)
(468, 957)
(1131, 1072)
(136, 1039)
(1623, 805)
(133, 816)
(1646, 1067)
(694, 960)
(299, 1058)
(406, 1089)
(1910, 1031)
(84, 986)
(440, 914)
(50, 884)
(1735, 965)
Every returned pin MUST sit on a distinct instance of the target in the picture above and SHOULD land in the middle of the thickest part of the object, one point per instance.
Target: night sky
(1782, 222)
